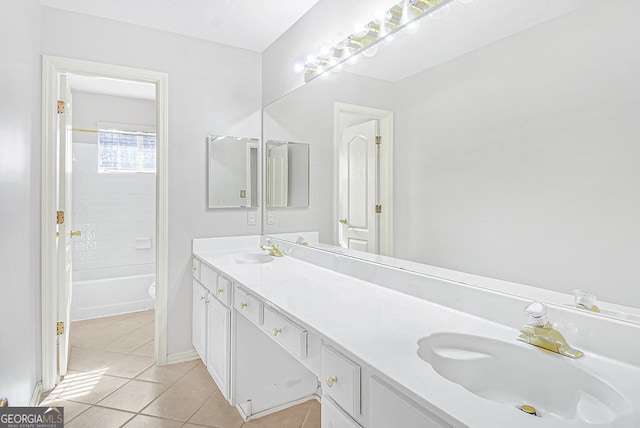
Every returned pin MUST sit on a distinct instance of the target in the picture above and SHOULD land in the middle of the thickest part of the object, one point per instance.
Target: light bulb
(370, 51)
(298, 67)
(388, 40)
(440, 13)
(339, 40)
(360, 30)
(325, 50)
(381, 16)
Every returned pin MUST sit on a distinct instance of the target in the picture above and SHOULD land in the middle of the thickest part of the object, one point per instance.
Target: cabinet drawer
(248, 305)
(223, 290)
(196, 265)
(285, 332)
(341, 380)
(208, 278)
(332, 417)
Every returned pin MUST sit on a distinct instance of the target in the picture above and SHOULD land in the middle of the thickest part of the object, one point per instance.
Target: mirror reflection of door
(359, 187)
(278, 173)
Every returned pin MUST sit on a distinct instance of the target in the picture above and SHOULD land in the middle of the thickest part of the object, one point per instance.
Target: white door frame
(386, 168)
(51, 67)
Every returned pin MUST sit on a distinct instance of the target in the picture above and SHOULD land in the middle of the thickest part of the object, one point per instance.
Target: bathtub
(111, 291)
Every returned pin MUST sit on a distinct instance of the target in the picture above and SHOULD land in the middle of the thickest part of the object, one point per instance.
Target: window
(126, 148)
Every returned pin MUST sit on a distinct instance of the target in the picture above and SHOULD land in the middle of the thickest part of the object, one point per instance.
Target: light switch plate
(270, 217)
(251, 218)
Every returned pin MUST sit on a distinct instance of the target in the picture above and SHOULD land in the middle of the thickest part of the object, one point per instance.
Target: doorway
(56, 199)
(363, 199)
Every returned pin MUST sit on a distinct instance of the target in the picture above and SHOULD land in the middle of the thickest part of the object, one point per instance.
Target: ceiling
(247, 24)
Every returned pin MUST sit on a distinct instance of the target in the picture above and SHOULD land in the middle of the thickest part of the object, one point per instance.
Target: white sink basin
(251, 258)
(517, 374)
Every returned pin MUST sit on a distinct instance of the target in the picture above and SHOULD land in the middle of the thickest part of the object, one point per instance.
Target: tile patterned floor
(112, 382)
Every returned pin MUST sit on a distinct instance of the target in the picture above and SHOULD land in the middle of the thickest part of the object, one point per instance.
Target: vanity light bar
(396, 18)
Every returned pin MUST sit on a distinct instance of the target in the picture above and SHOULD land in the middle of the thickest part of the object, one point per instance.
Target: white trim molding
(385, 117)
(51, 68)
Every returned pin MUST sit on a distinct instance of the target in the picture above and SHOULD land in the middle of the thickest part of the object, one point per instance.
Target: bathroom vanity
(403, 350)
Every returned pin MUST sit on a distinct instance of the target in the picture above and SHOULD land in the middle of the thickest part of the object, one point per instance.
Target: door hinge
(61, 107)
(378, 139)
(60, 328)
(378, 209)
(60, 217)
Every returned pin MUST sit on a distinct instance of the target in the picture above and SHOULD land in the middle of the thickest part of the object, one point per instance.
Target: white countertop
(381, 327)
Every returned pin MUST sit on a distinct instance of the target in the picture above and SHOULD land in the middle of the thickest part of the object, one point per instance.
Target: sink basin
(517, 374)
(253, 258)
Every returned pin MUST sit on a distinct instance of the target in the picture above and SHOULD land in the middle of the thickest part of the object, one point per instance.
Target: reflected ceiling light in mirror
(365, 37)
(441, 13)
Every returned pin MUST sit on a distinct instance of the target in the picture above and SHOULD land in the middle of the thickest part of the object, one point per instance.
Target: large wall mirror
(515, 147)
(233, 172)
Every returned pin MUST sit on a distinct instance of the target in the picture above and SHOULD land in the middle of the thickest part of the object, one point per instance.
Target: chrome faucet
(540, 332)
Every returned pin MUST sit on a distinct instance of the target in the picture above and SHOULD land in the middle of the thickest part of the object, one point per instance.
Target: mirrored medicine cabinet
(233, 172)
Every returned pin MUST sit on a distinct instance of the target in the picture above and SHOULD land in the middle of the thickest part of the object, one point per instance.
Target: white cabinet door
(333, 417)
(199, 320)
(388, 408)
(218, 345)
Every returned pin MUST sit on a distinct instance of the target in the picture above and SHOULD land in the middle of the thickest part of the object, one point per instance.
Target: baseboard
(180, 357)
(37, 393)
(248, 417)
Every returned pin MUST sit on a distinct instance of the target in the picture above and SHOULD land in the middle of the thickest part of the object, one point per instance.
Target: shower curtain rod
(113, 131)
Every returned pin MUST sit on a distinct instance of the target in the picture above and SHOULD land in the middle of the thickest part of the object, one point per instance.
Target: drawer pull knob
(331, 380)
(243, 305)
(219, 290)
(276, 331)
(193, 268)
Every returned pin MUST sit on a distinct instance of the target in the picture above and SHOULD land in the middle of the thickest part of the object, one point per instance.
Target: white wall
(20, 365)
(110, 210)
(213, 89)
(519, 161)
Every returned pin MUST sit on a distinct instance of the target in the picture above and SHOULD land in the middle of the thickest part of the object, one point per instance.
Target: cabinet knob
(276, 331)
(243, 305)
(201, 298)
(331, 380)
(219, 290)
(193, 268)
(75, 233)
(343, 221)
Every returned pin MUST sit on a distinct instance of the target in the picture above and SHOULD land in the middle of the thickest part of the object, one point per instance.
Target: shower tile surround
(111, 211)
(493, 312)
